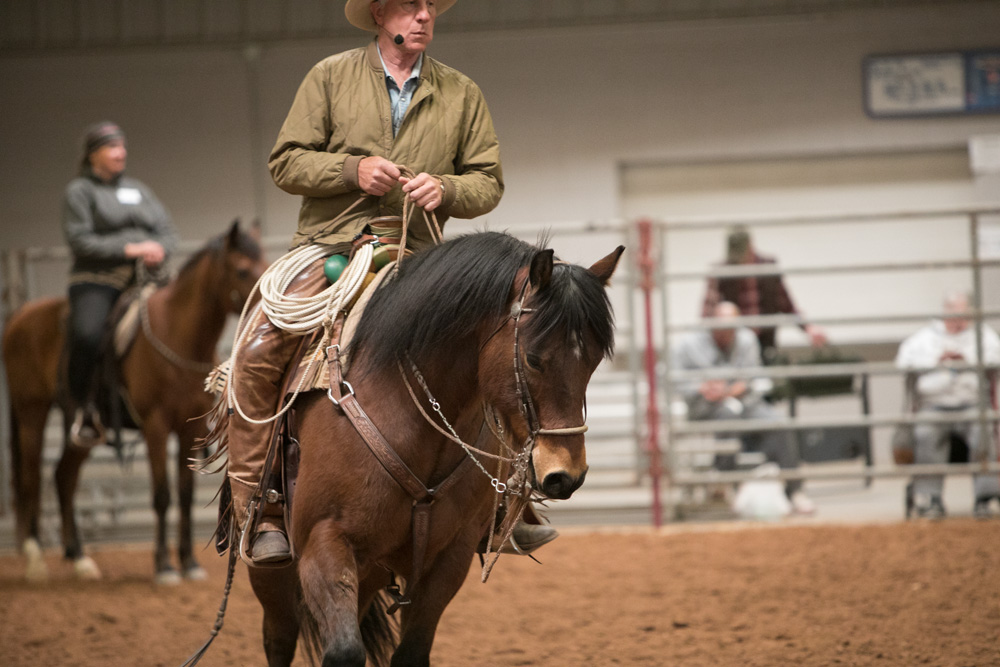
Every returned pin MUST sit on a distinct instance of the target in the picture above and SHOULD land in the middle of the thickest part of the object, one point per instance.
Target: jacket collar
(375, 62)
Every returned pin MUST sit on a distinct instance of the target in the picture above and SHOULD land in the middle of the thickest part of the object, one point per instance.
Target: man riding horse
(110, 221)
(385, 123)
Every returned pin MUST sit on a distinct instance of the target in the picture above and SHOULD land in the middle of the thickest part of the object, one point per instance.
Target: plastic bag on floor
(763, 498)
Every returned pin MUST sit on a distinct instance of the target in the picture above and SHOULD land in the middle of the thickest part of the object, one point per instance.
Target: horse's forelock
(574, 303)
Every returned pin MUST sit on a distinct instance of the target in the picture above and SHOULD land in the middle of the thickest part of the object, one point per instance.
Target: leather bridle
(526, 404)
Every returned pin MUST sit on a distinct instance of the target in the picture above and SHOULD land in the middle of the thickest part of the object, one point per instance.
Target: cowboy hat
(360, 16)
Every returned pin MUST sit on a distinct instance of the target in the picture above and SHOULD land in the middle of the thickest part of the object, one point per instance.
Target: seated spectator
(712, 399)
(936, 387)
(755, 295)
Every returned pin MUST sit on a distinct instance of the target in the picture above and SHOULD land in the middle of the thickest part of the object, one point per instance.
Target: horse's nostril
(559, 485)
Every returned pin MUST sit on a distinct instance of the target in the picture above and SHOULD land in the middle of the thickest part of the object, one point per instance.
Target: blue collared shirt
(400, 99)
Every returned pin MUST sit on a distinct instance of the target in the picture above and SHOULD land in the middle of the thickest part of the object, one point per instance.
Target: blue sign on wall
(982, 81)
(932, 84)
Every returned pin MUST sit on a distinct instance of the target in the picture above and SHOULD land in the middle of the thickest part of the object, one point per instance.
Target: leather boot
(528, 535)
(270, 544)
(259, 373)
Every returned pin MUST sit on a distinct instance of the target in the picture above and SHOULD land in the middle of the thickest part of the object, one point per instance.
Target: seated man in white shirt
(741, 398)
(938, 387)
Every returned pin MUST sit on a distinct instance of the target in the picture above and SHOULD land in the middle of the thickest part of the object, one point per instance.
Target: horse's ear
(541, 269)
(233, 235)
(604, 267)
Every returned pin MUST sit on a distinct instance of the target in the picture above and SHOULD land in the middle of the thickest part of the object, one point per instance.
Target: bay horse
(480, 320)
(163, 373)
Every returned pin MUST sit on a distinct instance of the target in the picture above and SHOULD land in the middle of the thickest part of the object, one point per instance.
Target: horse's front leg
(155, 432)
(276, 588)
(67, 478)
(437, 587)
(190, 568)
(329, 576)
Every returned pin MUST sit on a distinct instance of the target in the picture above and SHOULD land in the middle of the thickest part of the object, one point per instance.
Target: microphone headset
(398, 39)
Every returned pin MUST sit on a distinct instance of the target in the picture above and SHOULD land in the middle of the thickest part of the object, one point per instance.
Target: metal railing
(660, 278)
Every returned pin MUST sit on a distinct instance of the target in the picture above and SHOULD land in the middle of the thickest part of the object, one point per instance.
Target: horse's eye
(534, 361)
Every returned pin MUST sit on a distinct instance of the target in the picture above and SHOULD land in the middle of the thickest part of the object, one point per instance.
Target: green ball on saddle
(334, 266)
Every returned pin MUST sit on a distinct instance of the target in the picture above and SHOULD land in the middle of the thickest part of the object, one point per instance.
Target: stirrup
(276, 548)
(245, 550)
(86, 435)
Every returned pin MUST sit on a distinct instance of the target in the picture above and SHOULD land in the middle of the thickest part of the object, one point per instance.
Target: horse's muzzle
(560, 485)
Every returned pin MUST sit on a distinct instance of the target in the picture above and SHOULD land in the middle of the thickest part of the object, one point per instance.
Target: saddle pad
(318, 376)
(128, 326)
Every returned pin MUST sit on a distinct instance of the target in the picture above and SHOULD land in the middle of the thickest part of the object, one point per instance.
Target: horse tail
(378, 633)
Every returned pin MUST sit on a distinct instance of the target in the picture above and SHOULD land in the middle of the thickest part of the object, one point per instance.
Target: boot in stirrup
(270, 544)
(525, 538)
(87, 430)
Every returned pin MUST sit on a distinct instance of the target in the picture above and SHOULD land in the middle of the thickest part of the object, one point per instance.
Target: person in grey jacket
(111, 222)
(718, 398)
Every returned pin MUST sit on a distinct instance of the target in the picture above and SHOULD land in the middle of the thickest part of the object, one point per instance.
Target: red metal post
(647, 283)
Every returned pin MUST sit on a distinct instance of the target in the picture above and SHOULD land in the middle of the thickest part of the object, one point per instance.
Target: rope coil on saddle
(304, 315)
(298, 315)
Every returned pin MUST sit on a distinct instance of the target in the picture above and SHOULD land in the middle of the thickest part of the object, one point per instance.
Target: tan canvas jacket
(341, 114)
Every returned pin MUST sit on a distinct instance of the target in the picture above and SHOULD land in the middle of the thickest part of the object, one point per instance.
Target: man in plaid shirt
(755, 295)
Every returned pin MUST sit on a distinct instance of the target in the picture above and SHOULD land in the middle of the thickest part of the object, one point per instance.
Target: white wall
(570, 106)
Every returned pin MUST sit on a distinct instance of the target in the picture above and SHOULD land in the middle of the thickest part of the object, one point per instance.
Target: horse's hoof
(31, 549)
(36, 571)
(168, 578)
(196, 573)
(86, 569)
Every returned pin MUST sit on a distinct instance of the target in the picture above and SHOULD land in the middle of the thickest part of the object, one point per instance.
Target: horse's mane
(443, 294)
(241, 242)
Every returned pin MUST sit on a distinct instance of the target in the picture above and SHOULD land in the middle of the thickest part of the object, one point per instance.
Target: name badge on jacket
(129, 195)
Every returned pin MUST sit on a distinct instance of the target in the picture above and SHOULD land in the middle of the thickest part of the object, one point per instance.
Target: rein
(144, 277)
(203, 367)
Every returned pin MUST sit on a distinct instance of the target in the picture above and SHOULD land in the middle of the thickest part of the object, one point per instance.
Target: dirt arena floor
(902, 594)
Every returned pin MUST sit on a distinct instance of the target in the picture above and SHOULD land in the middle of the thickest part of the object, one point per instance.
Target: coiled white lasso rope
(298, 315)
